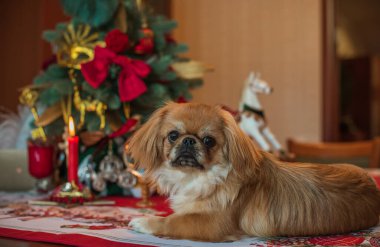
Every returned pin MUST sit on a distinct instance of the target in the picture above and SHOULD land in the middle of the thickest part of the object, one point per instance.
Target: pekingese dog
(222, 188)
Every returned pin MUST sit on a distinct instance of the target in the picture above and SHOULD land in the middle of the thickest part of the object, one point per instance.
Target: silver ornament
(98, 182)
(85, 171)
(110, 167)
(126, 180)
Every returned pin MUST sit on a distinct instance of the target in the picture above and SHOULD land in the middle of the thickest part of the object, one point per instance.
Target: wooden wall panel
(22, 49)
(281, 39)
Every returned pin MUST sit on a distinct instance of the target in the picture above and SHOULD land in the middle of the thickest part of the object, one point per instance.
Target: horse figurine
(252, 117)
(89, 105)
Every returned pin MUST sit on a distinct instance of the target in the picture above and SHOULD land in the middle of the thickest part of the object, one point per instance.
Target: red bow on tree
(130, 83)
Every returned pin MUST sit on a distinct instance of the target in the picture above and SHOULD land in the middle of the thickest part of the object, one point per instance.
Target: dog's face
(193, 138)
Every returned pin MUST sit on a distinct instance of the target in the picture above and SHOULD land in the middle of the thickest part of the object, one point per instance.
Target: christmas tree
(115, 63)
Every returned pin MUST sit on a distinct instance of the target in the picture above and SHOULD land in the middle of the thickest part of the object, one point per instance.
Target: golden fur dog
(222, 188)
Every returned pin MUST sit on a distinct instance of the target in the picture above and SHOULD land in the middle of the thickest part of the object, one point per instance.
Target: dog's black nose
(188, 141)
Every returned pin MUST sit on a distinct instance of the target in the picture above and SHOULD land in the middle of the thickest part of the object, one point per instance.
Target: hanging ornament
(110, 166)
(86, 171)
(98, 183)
(181, 99)
(126, 180)
(111, 170)
(145, 45)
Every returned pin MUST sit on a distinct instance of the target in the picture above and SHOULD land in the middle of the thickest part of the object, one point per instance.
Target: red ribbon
(127, 126)
(130, 83)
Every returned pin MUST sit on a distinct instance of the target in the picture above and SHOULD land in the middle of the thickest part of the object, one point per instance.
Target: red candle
(73, 158)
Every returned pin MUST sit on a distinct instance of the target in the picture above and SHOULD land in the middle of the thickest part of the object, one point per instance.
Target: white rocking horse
(252, 118)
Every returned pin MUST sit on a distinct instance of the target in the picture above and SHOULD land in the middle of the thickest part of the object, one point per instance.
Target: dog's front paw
(150, 225)
(140, 225)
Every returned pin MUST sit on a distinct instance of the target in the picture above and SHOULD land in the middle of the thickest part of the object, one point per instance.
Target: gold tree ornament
(77, 46)
(51, 114)
(141, 8)
(127, 109)
(190, 69)
(121, 18)
(29, 98)
(92, 105)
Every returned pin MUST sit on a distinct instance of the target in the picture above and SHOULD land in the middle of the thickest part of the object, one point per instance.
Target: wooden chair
(362, 153)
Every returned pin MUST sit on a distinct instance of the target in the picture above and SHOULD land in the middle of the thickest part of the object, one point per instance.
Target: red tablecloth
(160, 204)
(369, 237)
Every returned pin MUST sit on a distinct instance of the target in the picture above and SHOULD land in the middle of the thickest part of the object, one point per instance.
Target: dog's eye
(209, 141)
(173, 135)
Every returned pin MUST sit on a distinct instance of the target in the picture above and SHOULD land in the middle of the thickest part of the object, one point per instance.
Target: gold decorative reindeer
(87, 105)
(77, 47)
(84, 106)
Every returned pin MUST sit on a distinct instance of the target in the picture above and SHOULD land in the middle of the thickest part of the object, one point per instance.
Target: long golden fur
(231, 189)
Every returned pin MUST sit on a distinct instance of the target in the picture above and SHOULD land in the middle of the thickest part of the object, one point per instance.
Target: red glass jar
(40, 159)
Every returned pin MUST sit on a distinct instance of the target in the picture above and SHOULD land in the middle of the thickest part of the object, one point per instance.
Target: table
(5, 242)
(369, 237)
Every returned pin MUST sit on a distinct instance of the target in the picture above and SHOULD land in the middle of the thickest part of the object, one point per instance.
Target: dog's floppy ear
(239, 148)
(146, 144)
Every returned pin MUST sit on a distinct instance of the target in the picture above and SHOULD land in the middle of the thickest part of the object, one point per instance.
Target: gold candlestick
(145, 195)
(145, 190)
